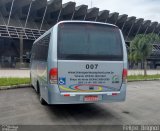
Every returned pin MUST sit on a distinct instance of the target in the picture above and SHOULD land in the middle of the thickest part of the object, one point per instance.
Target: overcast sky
(147, 9)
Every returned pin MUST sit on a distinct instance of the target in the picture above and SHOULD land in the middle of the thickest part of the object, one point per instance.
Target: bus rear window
(89, 42)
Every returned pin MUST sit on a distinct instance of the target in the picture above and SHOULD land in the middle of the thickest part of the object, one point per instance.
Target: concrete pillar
(21, 51)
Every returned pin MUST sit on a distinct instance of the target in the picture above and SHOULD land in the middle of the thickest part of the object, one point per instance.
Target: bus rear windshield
(82, 41)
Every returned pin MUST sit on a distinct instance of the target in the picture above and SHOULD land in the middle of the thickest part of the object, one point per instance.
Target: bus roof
(73, 21)
(91, 22)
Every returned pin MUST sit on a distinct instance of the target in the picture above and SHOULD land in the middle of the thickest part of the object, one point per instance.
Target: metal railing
(18, 32)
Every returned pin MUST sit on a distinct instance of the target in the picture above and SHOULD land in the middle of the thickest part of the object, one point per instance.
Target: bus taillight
(124, 75)
(53, 74)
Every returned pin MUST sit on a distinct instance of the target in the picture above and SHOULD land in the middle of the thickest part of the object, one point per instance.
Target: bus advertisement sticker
(62, 81)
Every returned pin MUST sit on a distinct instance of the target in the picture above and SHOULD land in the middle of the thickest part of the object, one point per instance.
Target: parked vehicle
(80, 62)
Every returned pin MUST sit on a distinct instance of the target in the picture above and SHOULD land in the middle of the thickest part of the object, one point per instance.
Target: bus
(78, 62)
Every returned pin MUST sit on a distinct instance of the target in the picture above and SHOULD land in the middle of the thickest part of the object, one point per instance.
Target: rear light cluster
(53, 76)
(124, 75)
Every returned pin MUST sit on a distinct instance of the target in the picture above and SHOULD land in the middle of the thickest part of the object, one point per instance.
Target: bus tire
(42, 101)
(37, 89)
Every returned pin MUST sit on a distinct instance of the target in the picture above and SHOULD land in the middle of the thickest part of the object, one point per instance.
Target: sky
(147, 9)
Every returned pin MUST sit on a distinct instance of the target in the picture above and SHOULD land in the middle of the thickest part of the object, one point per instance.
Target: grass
(142, 77)
(19, 81)
(13, 81)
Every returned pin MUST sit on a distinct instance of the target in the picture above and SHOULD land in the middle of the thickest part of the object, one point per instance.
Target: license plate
(91, 98)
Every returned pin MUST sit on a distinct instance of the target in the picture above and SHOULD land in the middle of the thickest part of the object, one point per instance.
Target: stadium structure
(23, 21)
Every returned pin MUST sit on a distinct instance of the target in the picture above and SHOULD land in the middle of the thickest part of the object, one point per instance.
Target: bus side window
(44, 47)
(40, 51)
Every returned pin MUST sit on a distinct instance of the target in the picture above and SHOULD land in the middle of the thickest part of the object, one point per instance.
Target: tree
(141, 48)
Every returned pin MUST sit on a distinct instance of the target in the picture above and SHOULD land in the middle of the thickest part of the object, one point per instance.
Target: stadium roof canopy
(31, 18)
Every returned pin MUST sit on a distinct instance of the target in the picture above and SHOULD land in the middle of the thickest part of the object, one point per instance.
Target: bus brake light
(124, 75)
(53, 74)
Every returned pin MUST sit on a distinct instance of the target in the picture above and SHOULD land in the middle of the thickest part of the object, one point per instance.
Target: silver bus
(79, 62)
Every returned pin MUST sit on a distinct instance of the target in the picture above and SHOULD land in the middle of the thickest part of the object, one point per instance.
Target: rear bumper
(55, 97)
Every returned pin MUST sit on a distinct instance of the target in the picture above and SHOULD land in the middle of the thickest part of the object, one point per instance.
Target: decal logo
(77, 88)
(115, 79)
(62, 81)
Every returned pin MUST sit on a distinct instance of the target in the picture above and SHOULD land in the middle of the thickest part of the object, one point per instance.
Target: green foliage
(141, 47)
(14, 81)
(142, 77)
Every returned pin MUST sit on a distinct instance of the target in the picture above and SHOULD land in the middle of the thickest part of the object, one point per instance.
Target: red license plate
(91, 98)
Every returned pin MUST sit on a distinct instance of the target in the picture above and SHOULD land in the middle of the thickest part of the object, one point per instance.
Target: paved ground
(26, 73)
(14, 73)
(21, 106)
(149, 72)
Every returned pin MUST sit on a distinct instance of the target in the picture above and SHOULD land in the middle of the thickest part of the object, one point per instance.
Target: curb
(14, 86)
(158, 79)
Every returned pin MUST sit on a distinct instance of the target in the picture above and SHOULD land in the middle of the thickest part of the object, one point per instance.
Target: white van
(80, 62)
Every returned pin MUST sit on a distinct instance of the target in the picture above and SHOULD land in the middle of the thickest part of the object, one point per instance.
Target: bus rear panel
(87, 63)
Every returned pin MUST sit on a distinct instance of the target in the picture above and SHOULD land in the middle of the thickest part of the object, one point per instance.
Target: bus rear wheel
(42, 101)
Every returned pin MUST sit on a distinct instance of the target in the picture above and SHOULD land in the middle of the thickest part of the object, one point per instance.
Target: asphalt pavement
(142, 106)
